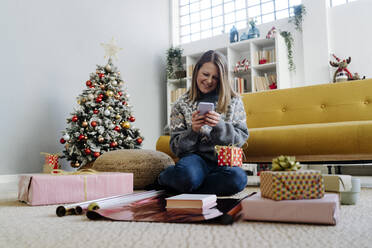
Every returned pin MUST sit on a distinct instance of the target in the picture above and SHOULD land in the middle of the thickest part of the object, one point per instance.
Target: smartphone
(204, 107)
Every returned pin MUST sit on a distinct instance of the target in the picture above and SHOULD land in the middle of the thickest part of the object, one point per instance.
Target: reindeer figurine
(341, 67)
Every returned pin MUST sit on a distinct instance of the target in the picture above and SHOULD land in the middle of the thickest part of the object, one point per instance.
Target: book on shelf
(263, 82)
(199, 201)
(265, 56)
(240, 85)
(175, 94)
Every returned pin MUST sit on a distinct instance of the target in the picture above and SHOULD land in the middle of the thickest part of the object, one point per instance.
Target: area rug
(26, 226)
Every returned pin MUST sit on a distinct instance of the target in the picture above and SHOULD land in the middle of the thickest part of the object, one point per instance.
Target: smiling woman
(195, 135)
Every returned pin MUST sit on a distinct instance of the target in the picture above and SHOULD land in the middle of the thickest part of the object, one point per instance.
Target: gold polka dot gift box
(292, 185)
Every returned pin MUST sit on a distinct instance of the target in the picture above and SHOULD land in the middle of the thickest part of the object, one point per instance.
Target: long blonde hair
(225, 91)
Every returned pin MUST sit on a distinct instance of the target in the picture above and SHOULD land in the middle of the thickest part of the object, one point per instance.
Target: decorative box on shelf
(45, 189)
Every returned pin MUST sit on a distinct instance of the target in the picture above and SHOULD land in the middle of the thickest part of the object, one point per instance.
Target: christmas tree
(103, 120)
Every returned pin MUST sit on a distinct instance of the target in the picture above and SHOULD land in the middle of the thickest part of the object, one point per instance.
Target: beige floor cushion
(144, 164)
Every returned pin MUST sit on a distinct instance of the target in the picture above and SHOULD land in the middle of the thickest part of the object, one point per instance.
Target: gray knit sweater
(231, 129)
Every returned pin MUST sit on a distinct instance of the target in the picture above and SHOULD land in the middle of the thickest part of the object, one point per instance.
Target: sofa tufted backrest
(334, 102)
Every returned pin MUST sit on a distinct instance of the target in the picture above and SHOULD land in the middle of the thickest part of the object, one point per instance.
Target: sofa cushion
(335, 139)
(144, 164)
(322, 103)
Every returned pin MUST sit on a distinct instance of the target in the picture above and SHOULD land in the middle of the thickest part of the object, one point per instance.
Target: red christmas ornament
(98, 100)
(92, 86)
(93, 123)
(96, 154)
(113, 144)
(62, 140)
(74, 118)
(139, 140)
(101, 75)
(100, 95)
(96, 111)
(81, 137)
(89, 83)
(120, 93)
(117, 128)
(124, 103)
(132, 119)
(87, 151)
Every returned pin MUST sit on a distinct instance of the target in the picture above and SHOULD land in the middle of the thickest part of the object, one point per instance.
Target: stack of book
(265, 56)
(194, 203)
(240, 85)
(264, 83)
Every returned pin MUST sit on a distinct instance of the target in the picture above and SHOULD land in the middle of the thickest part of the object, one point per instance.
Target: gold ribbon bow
(285, 163)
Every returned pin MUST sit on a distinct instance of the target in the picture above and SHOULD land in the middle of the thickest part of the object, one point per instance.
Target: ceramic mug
(351, 197)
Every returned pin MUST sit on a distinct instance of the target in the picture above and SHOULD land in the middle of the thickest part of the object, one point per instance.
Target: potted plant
(175, 68)
(297, 19)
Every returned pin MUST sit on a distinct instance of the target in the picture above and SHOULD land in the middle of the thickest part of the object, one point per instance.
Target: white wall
(315, 42)
(47, 51)
(350, 35)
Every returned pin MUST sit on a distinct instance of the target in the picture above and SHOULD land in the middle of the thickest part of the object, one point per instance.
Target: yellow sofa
(319, 123)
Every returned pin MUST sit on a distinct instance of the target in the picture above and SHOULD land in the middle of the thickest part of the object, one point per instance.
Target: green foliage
(288, 38)
(299, 14)
(174, 61)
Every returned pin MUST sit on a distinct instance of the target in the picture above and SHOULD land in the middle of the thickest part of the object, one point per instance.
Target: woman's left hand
(212, 118)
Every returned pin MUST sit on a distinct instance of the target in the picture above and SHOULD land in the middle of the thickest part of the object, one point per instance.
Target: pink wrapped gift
(44, 189)
(317, 211)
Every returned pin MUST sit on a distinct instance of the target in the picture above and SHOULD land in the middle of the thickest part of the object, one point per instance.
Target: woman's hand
(197, 121)
(212, 118)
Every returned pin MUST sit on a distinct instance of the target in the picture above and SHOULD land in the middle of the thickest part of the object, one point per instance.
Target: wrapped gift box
(229, 156)
(316, 211)
(292, 185)
(44, 189)
(337, 183)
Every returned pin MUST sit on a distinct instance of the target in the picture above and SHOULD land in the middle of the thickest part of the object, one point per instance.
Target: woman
(194, 136)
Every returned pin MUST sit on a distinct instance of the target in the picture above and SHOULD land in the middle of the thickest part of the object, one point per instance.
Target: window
(200, 19)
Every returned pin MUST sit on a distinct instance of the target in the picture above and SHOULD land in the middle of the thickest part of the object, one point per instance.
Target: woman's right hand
(197, 121)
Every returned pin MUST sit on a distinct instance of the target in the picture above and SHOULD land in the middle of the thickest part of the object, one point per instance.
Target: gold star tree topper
(111, 49)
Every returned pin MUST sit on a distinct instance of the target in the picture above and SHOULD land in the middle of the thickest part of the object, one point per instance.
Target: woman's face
(208, 77)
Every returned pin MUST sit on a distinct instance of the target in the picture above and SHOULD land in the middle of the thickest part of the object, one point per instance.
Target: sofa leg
(329, 169)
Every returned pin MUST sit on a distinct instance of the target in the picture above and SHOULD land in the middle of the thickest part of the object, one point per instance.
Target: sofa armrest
(162, 145)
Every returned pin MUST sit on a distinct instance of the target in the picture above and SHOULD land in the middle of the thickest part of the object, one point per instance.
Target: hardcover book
(191, 201)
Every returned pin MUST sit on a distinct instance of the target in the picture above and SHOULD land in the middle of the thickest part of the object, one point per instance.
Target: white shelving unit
(175, 87)
(235, 52)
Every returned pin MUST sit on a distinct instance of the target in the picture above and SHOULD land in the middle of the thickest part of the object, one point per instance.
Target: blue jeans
(192, 174)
